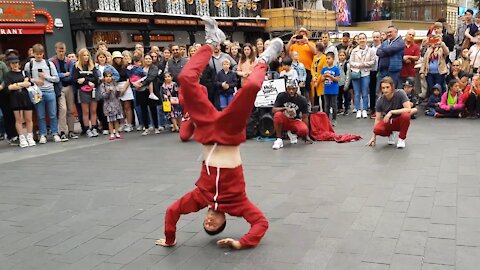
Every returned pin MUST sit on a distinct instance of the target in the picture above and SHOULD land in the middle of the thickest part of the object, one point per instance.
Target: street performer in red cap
(221, 186)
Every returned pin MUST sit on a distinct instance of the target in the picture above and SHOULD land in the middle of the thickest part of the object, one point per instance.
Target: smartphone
(432, 40)
(40, 70)
(299, 37)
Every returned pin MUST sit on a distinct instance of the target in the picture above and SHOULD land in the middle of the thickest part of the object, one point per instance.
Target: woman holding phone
(434, 66)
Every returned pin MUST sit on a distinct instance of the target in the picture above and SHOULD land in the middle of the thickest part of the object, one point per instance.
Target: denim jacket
(391, 55)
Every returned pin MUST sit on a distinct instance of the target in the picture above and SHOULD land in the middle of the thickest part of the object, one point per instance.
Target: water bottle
(93, 93)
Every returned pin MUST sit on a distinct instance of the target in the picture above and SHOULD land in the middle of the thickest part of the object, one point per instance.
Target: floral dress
(112, 108)
(170, 93)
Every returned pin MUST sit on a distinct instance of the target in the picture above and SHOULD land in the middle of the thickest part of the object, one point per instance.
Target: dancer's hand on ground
(229, 242)
(162, 242)
(372, 141)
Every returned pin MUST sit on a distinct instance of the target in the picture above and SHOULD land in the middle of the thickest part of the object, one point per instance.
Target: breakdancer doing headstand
(221, 186)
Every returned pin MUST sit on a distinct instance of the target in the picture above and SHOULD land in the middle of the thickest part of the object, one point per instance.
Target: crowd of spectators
(112, 91)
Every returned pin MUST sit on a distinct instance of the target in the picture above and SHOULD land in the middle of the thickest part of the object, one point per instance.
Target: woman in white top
(474, 54)
(362, 59)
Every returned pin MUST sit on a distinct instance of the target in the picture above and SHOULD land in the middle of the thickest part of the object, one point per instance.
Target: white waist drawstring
(216, 188)
(208, 157)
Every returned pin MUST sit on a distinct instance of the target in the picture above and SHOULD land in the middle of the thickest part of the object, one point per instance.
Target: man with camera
(305, 49)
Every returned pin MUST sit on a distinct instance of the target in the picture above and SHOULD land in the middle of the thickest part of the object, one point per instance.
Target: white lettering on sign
(13, 31)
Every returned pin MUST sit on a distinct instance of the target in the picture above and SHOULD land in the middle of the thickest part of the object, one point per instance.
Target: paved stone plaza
(94, 204)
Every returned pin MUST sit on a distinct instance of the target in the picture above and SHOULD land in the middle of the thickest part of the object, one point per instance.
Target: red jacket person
(221, 185)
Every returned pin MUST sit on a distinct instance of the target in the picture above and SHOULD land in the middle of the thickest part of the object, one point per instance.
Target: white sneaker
(401, 143)
(153, 96)
(139, 128)
(161, 128)
(89, 133)
(293, 137)
(273, 50)
(30, 140)
(157, 131)
(146, 132)
(56, 138)
(122, 128)
(359, 114)
(105, 132)
(391, 139)
(354, 110)
(43, 139)
(277, 144)
(23, 141)
(94, 132)
(364, 114)
(213, 34)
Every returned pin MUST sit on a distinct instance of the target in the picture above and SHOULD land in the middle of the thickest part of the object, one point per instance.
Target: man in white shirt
(377, 42)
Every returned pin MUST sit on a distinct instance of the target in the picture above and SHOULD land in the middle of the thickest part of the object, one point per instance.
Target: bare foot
(162, 242)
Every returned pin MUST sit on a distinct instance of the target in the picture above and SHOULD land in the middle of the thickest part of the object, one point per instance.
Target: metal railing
(216, 8)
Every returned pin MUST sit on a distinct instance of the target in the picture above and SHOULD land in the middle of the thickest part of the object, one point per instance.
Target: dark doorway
(21, 43)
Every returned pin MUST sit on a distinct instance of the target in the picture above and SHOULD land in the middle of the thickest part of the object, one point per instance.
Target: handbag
(174, 100)
(35, 94)
(354, 75)
(167, 106)
(86, 88)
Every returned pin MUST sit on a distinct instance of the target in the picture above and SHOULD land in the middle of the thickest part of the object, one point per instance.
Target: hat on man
(292, 84)
(409, 82)
(346, 34)
(12, 59)
(304, 30)
(117, 54)
(11, 51)
(469, 11)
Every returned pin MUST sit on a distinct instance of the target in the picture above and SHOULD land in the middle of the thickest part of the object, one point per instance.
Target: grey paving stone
(108, 266)
(467, 257)
(443, 231)
(440, 251)
(416, 224)
(355, 242)
(373, 266)
(367, 219)
(468, 233)
(132, 252)
(82, 251)
(389, 225)
(120, 243)
(429, 266)
(446, 199)
(353, 204)
(339, 224)
(89, 262)
(444, 215)
(380, 250)
(420, 207)
(77, 240)
(402, 193)
(411, 243)
(406, 262)
(145, 261)
(468, 207)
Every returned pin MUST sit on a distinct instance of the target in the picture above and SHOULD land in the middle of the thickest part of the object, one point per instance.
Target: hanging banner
(342, 8)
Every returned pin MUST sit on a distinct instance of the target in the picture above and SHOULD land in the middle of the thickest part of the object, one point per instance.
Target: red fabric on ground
(322, 130)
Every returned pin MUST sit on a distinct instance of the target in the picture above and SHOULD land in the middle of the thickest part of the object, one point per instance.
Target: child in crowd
(288, 73)
(319, 62)
(330, 76)
(434, 101)
(451, 104)
(344, 97)
(136, 73)
(408, 88)
(111, 104)
(170, 93)
(226, 82)
(301, 71)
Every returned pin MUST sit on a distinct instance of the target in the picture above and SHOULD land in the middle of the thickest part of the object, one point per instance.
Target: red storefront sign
(22, 29)
(16, 11)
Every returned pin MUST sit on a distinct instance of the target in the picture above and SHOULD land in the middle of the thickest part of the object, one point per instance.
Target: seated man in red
(221, 186)
(392, 114)
(289, 107)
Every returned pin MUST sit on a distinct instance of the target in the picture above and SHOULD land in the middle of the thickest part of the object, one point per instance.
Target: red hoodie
(224, 191)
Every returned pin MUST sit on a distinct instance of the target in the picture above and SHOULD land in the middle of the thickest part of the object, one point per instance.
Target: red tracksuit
(223, 189)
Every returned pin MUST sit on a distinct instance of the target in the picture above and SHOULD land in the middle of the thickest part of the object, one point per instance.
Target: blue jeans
(49, 100)
(430, 112)
(161, 116)
(225, 100)
(435, 78)
(395, 77)
(361, 88)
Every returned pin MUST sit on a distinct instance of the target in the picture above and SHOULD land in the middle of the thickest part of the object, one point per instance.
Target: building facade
(25, 23)
(122, 23)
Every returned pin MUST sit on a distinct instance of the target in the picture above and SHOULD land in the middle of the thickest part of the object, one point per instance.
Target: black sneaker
(14, 141)
(345, 112)
(72, 135)
(63, 137)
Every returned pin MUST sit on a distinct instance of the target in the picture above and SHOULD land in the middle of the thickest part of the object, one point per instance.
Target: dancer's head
(387, 86)
(214, 222)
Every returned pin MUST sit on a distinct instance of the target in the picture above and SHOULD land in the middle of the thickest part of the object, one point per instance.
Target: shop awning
(22, 29)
